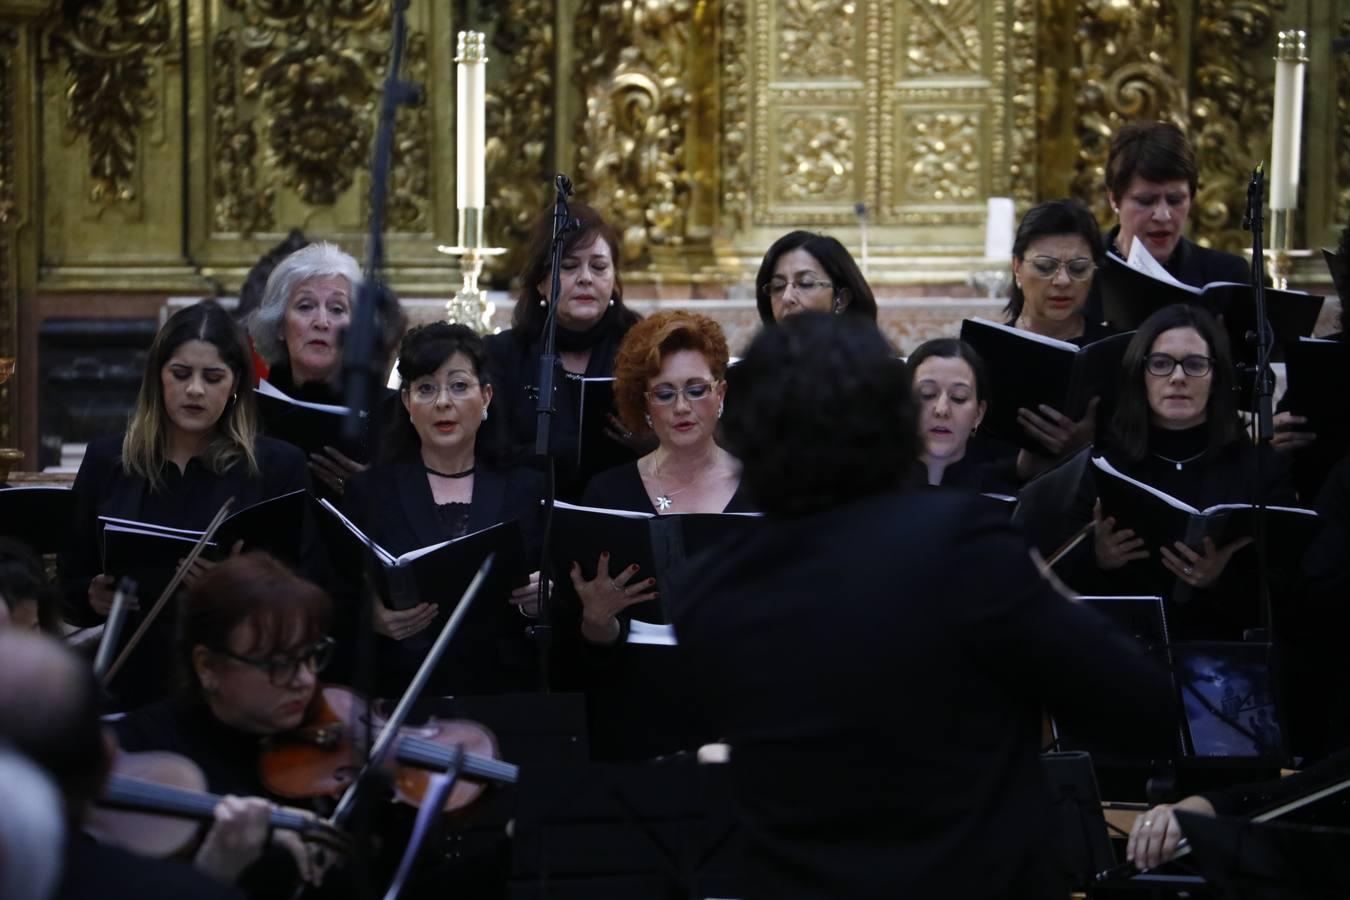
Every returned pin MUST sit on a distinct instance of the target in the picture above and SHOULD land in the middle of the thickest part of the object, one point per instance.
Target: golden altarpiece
(155, 148)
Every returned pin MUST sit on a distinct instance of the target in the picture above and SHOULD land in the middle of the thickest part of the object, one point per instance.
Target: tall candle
(470, 120)
(998, 229)
(1286, 127)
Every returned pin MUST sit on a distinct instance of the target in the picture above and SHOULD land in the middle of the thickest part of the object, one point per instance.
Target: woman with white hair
(297, 329)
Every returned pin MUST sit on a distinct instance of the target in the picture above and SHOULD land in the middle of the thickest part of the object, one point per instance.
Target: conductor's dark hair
(1130, 424)
(952, 348)
(1155, 151)
(424, 350)
(819, 411)
(531, 306)
(850, 287)
(1054, 218)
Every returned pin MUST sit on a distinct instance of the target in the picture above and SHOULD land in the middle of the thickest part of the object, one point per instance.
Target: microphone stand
(362, 370)
(1263, 389)
(545, 410)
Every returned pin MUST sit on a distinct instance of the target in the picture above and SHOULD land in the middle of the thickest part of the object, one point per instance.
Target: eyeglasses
(282, 668)
(1162, 365)
(665, 395)
(1047, 267)
(429, 391)
(804, 285)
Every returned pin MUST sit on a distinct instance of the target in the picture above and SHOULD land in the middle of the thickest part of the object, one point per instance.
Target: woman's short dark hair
(531, 306)
(1053, 219)
(819, 411)
(1154, 151)
(424, 350)
(283, 610)
(839, 267)
(1130, 424)
(23, 577)
(951, 348)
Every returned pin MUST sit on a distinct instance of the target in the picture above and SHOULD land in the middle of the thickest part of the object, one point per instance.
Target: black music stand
(1245, 860)
(653, 832)
(1083, 848)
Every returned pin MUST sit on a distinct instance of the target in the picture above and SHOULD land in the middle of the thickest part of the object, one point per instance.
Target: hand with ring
(605, 596)
(526, 597)
(1156, 833)
(1200, 569)
(333, 468)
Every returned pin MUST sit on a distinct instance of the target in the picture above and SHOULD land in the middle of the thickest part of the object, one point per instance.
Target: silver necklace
(666, 499)
(1180, 462)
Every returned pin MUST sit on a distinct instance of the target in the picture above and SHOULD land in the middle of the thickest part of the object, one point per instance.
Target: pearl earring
(721, 406)
(648, 418)
(485, 414)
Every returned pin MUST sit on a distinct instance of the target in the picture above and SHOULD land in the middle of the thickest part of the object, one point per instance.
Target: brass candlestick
(470, 305)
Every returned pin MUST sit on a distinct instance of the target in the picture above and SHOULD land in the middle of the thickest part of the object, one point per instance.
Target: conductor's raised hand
(605, 596)
(1114, 547)
(401, 624)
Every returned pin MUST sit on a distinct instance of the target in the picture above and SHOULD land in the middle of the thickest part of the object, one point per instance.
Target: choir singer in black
(879, 659)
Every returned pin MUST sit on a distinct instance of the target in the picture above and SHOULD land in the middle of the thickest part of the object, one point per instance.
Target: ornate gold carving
(1230, 114)
(241, 203)
(942, 37)
(817, 38)
(9, 41)
(110, 51)
(734, 67)
(1124, 72)
(519, 128)
(816, 159)
(941, 156)
(631, 66)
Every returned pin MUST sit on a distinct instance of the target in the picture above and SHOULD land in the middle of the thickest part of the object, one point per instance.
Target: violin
(323, 755)
(153, 804)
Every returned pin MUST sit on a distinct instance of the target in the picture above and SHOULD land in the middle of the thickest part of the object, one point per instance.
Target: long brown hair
(145, 446)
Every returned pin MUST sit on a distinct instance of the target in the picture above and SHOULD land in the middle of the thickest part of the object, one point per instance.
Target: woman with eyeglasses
(669, 383)
(592, 320)
(191, 444)
(252, 640)
(1176, 428)
(437, 478)
(804, 271)
(1055, 255)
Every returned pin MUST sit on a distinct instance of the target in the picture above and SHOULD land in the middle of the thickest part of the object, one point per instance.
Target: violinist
(251, 642)
(48, 711)
(440, 478)
(191, 444)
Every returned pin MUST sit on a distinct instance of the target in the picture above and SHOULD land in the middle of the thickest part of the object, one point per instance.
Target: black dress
(393, 503)
(1179, 463)
(637, 695)
(880, 670)
(189, 499)
(513, 362)
(1189, 263)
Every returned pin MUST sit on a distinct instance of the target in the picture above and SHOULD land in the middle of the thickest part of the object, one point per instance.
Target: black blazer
(880, 670)
(188, 500)
(393, 504)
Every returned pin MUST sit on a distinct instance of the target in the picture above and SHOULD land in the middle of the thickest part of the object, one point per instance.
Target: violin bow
(1067, 547)
(389, 733)
(169, 590)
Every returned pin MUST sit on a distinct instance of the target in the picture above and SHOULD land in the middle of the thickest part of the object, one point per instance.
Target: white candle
(470, 120)
(998, 229)
(1286, 127)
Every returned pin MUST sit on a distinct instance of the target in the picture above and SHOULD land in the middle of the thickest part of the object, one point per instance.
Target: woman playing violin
(251, 642)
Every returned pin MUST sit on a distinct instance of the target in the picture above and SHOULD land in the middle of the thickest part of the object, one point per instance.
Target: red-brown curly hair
(648, 343)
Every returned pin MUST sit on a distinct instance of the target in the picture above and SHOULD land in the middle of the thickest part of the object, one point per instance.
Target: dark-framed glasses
(281, 668)
(803, 285)
(694, 392)
(1162, 365)
(1079, 268)
(428, 391)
